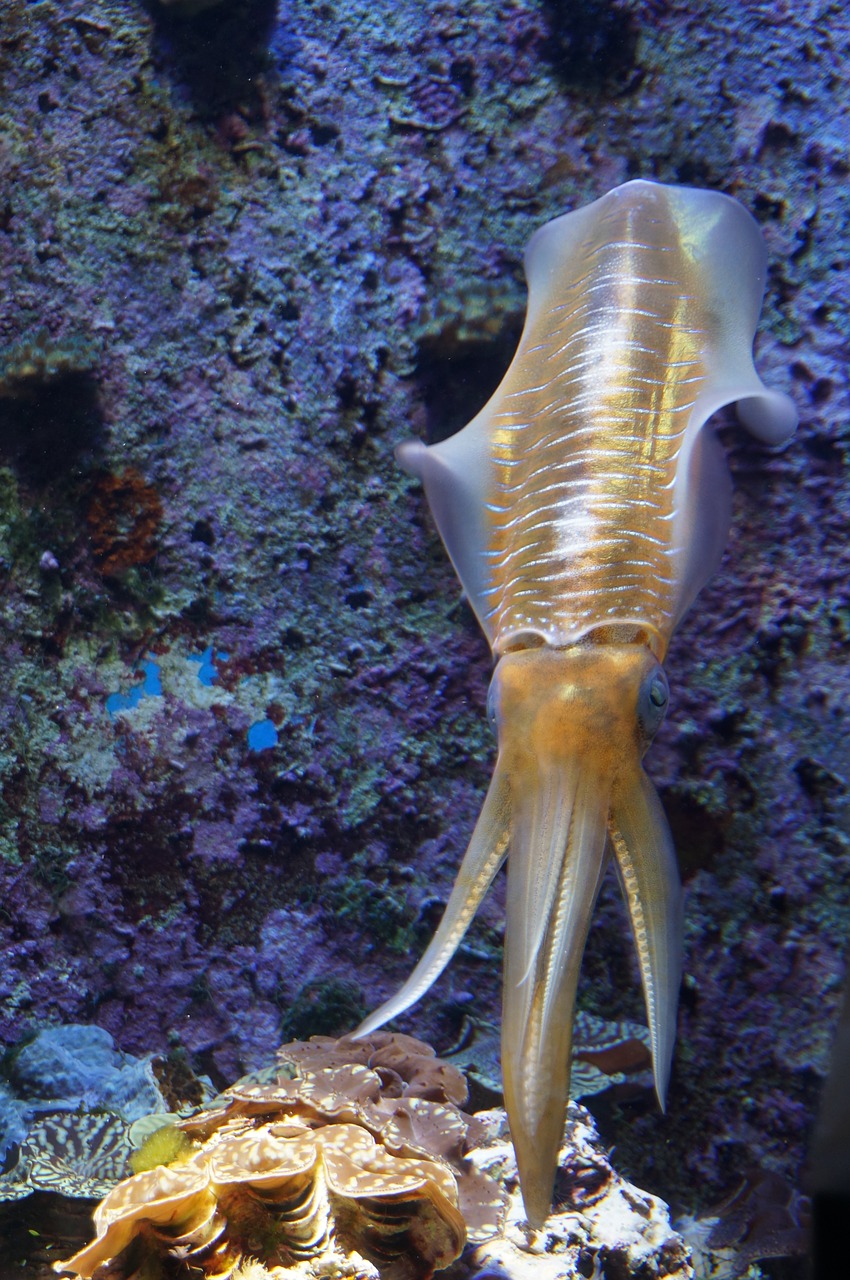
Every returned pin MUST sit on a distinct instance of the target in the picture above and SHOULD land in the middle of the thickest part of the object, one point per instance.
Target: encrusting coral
(351, 1156)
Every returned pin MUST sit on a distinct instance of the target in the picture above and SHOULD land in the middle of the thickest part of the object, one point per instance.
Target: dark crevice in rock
(457, 374)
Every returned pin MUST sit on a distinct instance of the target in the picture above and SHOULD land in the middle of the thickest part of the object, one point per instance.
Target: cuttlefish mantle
(584, 508)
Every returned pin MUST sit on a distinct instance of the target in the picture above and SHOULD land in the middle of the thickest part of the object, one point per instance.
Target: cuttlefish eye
(652, 702)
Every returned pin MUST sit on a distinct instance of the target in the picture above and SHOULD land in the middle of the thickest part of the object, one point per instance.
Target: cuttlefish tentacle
(646, 861)
(583, 508)
(483, 859)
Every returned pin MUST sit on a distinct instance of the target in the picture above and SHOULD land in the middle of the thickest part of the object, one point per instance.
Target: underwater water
(246, 249)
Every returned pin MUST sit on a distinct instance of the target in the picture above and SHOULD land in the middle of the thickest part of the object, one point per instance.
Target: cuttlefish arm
(574, 724)
(484, 857)
(583, 508)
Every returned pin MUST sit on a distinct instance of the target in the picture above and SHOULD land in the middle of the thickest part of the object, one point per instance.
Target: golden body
(587, 441)
(583, 508)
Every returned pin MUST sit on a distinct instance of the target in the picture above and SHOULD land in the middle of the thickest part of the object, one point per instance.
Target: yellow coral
(165, 1145)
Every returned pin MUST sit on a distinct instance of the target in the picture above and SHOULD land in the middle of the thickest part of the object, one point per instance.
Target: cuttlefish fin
(710, 266)
(456, 476)
(649, 875)
(482, 860)
(558, 858)
(703, 520)
(722, 261)
(726, 256)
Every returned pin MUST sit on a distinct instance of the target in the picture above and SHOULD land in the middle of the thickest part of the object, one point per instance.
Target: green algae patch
(327, 1006)
(164, 1146)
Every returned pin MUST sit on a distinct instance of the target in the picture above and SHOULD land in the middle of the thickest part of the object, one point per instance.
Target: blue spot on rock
(207, 673)
(150, 687)
(124, 701)
(262, 735)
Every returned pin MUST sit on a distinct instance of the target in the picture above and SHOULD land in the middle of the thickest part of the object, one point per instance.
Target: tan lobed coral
(352, 1155)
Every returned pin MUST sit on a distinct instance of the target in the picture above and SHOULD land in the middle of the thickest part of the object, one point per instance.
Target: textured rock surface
(242, 718)
(602, 1225)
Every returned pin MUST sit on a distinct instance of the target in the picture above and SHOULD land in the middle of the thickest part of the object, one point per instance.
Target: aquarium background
(246, 250)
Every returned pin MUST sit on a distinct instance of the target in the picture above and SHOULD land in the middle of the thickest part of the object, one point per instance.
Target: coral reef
(296, 242)
(236, 1173)
(76, 1110)
(352, 1151)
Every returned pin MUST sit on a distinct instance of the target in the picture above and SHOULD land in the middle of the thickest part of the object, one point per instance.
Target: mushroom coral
(350, 1151)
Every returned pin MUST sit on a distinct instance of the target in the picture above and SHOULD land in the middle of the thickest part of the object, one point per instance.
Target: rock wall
(244, 251)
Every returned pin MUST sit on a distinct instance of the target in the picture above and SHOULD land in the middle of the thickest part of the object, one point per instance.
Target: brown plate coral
(353, 1157)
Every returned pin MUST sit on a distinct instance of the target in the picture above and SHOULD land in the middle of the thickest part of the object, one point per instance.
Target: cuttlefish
(584, 507)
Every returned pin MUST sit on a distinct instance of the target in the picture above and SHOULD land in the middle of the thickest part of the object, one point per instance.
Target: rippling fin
(456, 479)
(704, 522)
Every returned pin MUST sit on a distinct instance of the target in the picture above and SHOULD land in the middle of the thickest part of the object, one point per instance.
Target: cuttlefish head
(573, 725)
